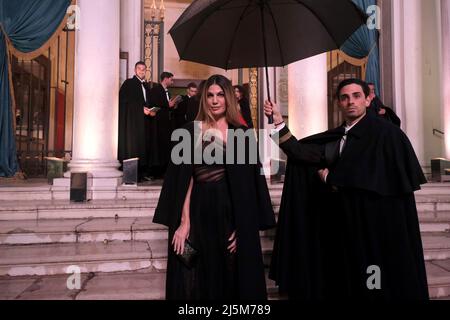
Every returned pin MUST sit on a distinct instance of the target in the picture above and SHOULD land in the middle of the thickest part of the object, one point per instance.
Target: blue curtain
(28, 24)
(363, 43)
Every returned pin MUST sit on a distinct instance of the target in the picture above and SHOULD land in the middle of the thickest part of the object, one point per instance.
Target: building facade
(109, 36)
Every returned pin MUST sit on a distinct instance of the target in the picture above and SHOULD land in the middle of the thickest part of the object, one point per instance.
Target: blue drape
(28, 24)
(363, 43)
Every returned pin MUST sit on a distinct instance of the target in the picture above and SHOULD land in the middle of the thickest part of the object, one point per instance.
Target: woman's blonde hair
(232, 113)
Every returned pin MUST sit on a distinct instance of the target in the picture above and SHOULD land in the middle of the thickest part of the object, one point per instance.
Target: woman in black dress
(219, 205)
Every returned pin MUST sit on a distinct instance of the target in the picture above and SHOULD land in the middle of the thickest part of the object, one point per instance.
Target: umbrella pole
(261, 7)
(270, 118)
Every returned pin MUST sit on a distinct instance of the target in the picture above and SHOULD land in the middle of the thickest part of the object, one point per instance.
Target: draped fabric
(364, 43)
(25, 26)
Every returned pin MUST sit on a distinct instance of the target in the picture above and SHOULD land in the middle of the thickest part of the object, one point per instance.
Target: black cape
(192, 108)
(328, 235)
(160, 129)
(376, 105)
(252, 211)
(180, 112)
(245, 111)
(132, 140)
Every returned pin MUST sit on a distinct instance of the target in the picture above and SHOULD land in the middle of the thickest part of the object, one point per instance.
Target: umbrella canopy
(233, 34)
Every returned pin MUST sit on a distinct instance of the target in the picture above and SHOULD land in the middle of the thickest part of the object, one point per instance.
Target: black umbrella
(232, 34)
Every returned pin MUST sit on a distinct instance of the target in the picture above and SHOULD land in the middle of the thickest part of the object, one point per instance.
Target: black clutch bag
(189, 255)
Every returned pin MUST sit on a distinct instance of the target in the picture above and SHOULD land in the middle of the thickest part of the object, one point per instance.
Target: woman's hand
(233, 245)
(180, 237)
(272, 108)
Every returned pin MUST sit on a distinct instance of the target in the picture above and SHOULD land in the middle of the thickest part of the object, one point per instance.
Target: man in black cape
(181, 110)
(132, 113)
(194, 104)
(160, 126)
(252, 211)
(348, 225)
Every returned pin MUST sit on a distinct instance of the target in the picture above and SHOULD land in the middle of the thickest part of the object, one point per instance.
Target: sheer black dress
(214, 275)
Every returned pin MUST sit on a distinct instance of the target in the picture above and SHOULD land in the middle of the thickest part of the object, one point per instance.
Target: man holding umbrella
(348, 225)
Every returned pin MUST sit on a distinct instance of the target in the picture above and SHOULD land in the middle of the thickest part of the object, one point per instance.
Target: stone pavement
(136, 285)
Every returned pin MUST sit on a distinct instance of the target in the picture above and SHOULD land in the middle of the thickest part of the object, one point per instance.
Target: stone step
(434, 227)
(41, 190)
(432, 203)
(436, 247)
(438, 273)
(435, 188)
(80, 230)
(53, 259)
(63, 209)
(437, 206)
(141, 267)
(85, 230)
(135, 285)
(438, 221)
(109, 256)
(140, 201)
(47, 231)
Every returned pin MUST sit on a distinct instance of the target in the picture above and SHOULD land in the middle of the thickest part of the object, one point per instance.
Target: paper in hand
(155, 109)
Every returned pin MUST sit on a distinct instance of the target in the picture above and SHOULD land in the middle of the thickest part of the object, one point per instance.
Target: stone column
(445, 23)
(96, 96)
(413, 76)
(131, 24)
(408, 71)
(307, 89)
(417, 75)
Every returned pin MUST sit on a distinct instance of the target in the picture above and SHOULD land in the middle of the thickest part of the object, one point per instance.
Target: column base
(104, 178)
(97, 168)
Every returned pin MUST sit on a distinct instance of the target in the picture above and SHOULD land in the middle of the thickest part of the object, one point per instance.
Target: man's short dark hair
(359, 82)
(165, 75)
(192, 85)
(139, 63)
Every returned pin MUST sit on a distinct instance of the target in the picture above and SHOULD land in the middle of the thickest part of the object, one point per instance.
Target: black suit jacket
(161, 127)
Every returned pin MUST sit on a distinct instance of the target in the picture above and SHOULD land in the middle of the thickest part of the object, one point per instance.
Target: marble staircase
(122, 255)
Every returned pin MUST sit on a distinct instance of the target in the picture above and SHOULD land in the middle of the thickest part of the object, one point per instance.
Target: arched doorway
(43, 98)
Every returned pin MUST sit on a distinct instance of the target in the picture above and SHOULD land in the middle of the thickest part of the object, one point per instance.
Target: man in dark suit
(161, 126)
(132, 113)
(348, 226)
(182, 108)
